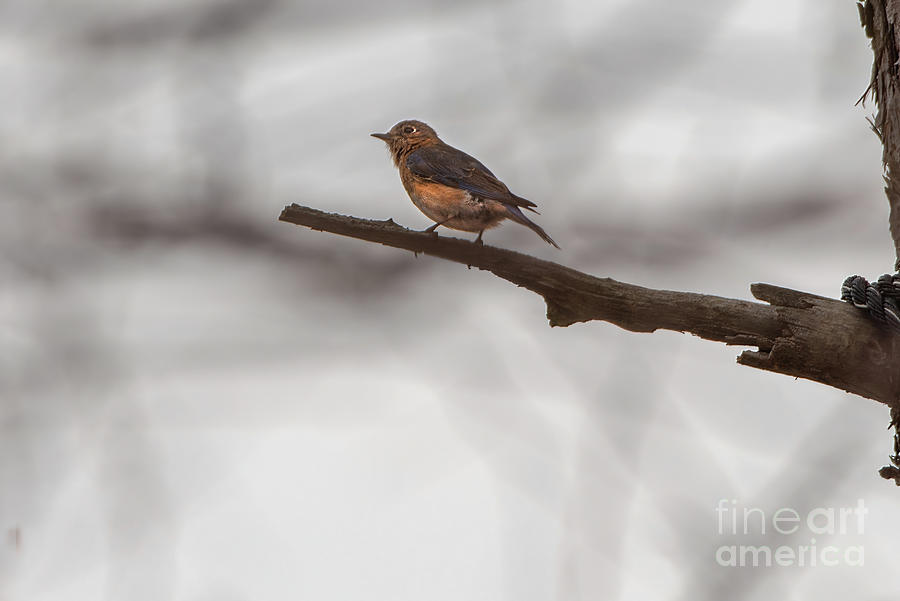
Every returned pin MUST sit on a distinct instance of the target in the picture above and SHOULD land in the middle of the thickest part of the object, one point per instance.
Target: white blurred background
(198, 402)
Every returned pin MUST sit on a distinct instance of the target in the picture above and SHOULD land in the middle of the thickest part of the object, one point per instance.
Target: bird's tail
(516, 215)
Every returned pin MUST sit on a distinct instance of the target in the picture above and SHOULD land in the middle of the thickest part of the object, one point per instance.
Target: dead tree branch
(796, 333)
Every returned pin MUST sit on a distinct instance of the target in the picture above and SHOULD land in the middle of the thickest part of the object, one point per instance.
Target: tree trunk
(881, 19)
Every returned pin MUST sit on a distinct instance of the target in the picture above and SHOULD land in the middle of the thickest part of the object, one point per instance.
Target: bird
(450, 187)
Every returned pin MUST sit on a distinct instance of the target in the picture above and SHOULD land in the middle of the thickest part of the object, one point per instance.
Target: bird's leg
(478, 239)
(431, 229)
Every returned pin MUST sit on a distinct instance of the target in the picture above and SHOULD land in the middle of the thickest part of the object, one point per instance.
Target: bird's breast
(438, 198)
(455, 208)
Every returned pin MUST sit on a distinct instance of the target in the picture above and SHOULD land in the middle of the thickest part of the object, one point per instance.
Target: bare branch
(797, 333)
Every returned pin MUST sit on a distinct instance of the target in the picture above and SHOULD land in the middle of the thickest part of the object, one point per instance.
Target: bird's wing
(447, 165)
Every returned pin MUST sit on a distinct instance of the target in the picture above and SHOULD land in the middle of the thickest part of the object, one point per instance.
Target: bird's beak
(384, 137)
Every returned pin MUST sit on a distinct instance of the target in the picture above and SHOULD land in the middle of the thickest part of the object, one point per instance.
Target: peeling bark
(880, 19)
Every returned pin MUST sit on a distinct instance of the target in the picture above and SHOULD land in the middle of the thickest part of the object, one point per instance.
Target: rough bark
(881, 19)
(796, 333)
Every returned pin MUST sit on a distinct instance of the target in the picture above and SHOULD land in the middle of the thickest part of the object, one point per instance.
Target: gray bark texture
(881, 20)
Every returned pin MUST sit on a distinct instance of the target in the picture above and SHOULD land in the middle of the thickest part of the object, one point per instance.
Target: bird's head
(406, 136)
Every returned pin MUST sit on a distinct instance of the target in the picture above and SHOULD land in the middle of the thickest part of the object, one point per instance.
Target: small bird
(452, 188)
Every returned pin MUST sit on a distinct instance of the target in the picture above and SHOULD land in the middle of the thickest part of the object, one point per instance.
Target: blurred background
(198, 402)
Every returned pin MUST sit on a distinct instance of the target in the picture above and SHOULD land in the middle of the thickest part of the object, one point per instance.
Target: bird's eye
(409, 129)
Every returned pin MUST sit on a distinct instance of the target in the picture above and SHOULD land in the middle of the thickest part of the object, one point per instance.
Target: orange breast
(452, 207)
(437, 196)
